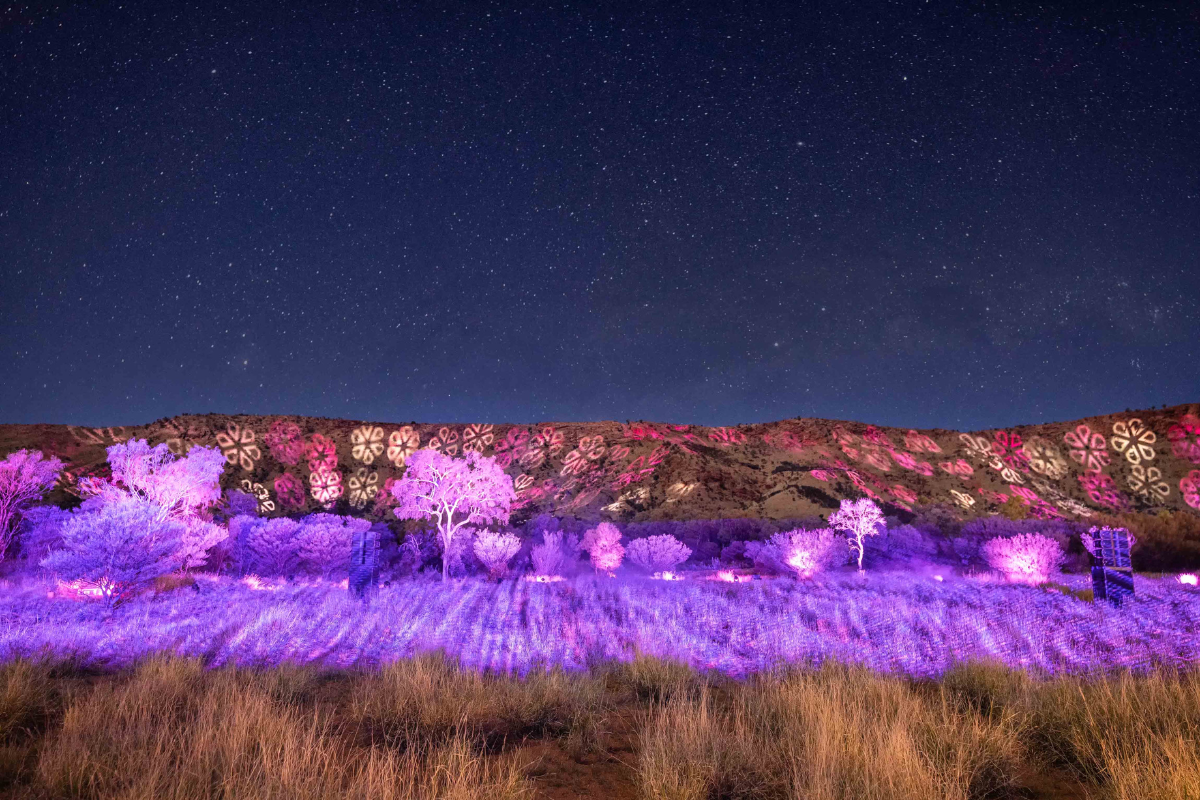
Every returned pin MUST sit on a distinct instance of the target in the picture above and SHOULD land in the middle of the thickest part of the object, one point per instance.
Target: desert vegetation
(649, 728)
(166, 638)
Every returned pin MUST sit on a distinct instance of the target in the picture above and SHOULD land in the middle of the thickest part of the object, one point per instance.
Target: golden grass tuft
(836, 733)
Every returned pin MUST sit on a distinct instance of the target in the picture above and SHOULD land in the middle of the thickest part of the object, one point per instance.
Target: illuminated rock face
(1140, 460)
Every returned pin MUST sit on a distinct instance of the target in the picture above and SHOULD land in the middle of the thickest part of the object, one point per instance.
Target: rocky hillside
(1143, 460)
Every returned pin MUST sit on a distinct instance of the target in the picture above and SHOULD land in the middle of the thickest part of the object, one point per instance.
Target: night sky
(914, 214)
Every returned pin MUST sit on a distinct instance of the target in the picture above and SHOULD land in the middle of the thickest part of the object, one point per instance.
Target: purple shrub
(1025, 558)
(40, 532)
(117, 550)
(548, 557)
(266, 546)
(809, 552)
(658, 554)
(24, 477)
(495, 550)
(323, 542)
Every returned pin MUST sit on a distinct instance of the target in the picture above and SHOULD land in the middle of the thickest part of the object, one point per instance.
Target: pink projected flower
(640, 432)
(959, 469)
(877, 437)
(1185, 438)
(289, 490)
(977, 447)
(446, 442)
(366, 443)
(285, 441)
(583, 458)
(1044, 458)
(511, 447)
(238, 447)
(726, 437)
(903, 493)
(1007, 472)
(545, 444)
(321, 453)
(924, 468)
(904, 460)
(821, 474)
(1088, 448)
(876, 457)
(477, 438)
(1189, 487)
(1134, 440)
(364, 486)
(1009, 448)
(1148, 483)
(1102, 491)
(592, 447)
(919, 442)
(326, 485)
(402, 444)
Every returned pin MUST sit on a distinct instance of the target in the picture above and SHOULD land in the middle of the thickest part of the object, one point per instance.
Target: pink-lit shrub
(809, 552)
(454, 492)
(859, 518)
(1025, 558)
(658, 554)
(603, 544)
(24, 477)
(118, 549)
(495, 550)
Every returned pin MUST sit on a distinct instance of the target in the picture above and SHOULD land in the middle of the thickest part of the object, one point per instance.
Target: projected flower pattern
(977, 447)
(321, 454)
(1133, 440)
(964, 500)
(1189, 487)
(402, 443)
(289, 490)
(1185, 438)
(1045, 458)
(366, 443)
(285, 442)
(1102, 491)
(1148, 483)
(584, 456)
(787, 440)
(1087, 448)
(445, 442)
(545, 444)
(726, 437)
(511, 447)
(477, 438)
(326, 485)
(920, 443)
(959, 469)
(265, 504)
(364, 486)
(237, 444)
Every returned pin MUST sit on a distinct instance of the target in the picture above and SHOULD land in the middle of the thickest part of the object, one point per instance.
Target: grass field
(421, 728)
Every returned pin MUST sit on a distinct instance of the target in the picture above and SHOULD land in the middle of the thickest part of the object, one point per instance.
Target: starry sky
(924, 214)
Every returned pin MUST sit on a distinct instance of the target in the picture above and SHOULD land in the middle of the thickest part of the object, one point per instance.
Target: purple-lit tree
(603, 544)
(323, 542)
(24, 477)
(495, 550)
(859, 518)
(547, 557)
(172, 488)
(808, 552)
(118, 549)
(1025, 558)
(657, 554)
(454, 493)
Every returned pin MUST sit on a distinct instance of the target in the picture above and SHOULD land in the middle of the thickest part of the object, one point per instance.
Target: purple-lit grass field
(896, 622)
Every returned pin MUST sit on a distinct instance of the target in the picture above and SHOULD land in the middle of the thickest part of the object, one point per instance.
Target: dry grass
(836, 733)
(1126, 736)
(423, 728)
